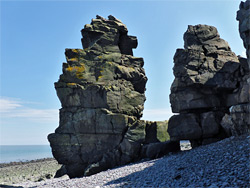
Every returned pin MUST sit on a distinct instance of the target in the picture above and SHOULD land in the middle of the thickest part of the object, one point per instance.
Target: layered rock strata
(209, 79)
(102, 92)
(237, 122)
(243, 16)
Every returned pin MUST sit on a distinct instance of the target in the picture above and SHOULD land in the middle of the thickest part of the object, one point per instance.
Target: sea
(18, 153)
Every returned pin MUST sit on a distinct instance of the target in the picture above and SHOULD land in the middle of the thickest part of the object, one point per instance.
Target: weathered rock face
(209, 79)
(243, 16)
(237, 122)
(205, 68)
(102, 95)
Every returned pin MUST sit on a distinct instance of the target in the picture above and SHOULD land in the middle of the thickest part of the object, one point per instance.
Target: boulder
(210, 123)
(184, 127)
(237, 122)
(159, 149)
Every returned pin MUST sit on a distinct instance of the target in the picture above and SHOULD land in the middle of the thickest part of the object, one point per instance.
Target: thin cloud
(7, 105)
(14, 108)
(17, 109)
(157, 114)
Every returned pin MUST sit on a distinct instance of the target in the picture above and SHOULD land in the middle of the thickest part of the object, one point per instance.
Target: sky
(34, 35)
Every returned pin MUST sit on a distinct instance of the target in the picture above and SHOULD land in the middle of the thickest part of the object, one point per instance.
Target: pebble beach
(33, 171)
(221, 164)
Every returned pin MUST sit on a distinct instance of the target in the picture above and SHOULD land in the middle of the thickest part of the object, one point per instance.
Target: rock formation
(102, 95)
(238, 120)
(209, 79)
(243, 16)
(102, 92)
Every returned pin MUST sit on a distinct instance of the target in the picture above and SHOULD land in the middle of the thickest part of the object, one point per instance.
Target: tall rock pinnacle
(209, 79)
(102, 92)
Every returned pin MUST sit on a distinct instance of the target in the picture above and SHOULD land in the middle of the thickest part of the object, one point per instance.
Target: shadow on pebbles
(221, 164)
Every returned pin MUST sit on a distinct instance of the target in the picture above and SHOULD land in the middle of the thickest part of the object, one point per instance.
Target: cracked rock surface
(209, 79)
(102, 93)
(237, 121)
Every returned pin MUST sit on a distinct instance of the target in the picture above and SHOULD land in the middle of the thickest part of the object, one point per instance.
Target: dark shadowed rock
(156, 131)
(210, 123)
(184, 127)
(159, 149)
(237, 121)
(61, 172)
(243, 16)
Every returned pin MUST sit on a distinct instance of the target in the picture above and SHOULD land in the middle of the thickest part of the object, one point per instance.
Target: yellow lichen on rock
(73, 59)
(99, 77)
(71, 84)
(78, 70)
(99, 101)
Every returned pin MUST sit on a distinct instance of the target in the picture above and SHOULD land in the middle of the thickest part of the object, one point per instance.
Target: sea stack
(237, 122)
(102, 92)
(209, 79)
(243, 16)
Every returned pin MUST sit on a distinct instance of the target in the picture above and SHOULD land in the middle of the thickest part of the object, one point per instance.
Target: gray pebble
(206, 166)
